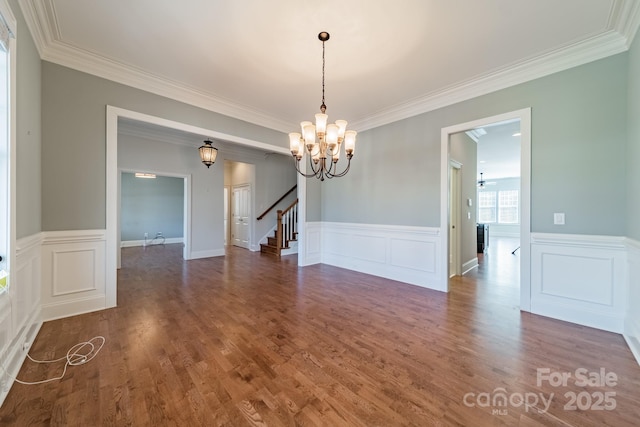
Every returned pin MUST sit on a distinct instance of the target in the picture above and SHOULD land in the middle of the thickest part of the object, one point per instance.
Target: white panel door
(241, 204)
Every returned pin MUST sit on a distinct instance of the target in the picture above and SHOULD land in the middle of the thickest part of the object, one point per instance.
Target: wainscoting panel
(580, 279)
(312, 243)
(632, 320)
(406, 254)
(73, 273)
(20, 313)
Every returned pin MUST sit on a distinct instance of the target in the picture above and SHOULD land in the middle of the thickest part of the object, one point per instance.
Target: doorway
(159, 201)
(524, 117)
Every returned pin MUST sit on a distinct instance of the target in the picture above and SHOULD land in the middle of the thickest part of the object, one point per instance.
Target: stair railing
(276, 203)
(287, 227)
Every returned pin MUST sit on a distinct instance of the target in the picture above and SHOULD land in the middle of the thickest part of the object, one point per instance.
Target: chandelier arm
(344, 172)
(306, 175)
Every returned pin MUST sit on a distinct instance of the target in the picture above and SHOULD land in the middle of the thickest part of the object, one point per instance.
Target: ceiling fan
(482, 183)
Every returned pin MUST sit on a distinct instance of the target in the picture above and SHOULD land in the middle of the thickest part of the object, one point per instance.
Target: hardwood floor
(250, 340)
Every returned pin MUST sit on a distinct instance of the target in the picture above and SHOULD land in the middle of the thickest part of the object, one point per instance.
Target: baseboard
(13, 359)
(469, 265)
(632, 319)
(135, 243)
(607, 321)
(631, 334)
(59, 310)
(207, 254)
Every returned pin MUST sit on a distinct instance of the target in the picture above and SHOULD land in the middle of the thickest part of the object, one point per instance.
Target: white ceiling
(499, 151)
(260, 61)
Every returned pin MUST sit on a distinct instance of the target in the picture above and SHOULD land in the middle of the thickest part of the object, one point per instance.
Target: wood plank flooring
(248, 340)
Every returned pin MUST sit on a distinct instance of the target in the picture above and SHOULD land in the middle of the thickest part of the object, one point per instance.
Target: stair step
(268, 249)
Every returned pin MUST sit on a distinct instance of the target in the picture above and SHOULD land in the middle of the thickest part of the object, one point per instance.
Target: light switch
(558, 218)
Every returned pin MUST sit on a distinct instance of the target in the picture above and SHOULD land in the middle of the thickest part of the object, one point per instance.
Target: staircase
(285, 233)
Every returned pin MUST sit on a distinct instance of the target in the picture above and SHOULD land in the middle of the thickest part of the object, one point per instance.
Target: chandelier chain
(323, 106)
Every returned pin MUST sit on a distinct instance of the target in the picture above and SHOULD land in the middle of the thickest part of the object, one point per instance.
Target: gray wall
(633, 147)
(579, 133)
(465, 150)
(151, 206)
(138, 153)
(73, 125)
(274, 175)
(28, 144)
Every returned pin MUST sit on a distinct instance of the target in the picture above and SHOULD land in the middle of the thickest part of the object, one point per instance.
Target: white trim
(469, 265)
(136, 243)
(404, 253)
(310, 242)
(73, 272)
(580, 241)
(598, 47)
(616, 39)
(207, 254)
(524, 116)
(632, 315)
(112, 184)
(580, 279)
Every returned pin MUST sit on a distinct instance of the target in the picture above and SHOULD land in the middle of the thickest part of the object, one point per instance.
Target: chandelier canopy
(322, 142)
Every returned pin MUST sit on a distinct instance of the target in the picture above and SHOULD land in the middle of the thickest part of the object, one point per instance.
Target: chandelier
(322, 142)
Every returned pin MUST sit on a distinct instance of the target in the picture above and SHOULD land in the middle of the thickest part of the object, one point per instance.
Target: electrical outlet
(26, 346)
(558, 218)
(159, 234)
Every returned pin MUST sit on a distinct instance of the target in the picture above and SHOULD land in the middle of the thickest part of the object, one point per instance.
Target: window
(500, 207)
(486, 207)
(7, 29)
(508, 207)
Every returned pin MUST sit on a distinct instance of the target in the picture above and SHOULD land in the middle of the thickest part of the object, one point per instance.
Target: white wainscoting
(580, 279)
(20, 315)
(632, 320)
(73, 273)
(312, 243)
(407, 254)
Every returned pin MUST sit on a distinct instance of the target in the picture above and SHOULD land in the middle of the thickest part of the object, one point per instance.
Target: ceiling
(498, 150)
(261, 61)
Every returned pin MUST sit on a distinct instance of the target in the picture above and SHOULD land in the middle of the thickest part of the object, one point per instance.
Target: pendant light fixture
(208, 153)
(322, 142)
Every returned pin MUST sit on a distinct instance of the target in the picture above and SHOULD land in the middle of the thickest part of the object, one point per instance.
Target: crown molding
(624, 21)
(598, 47)
(40, 18)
